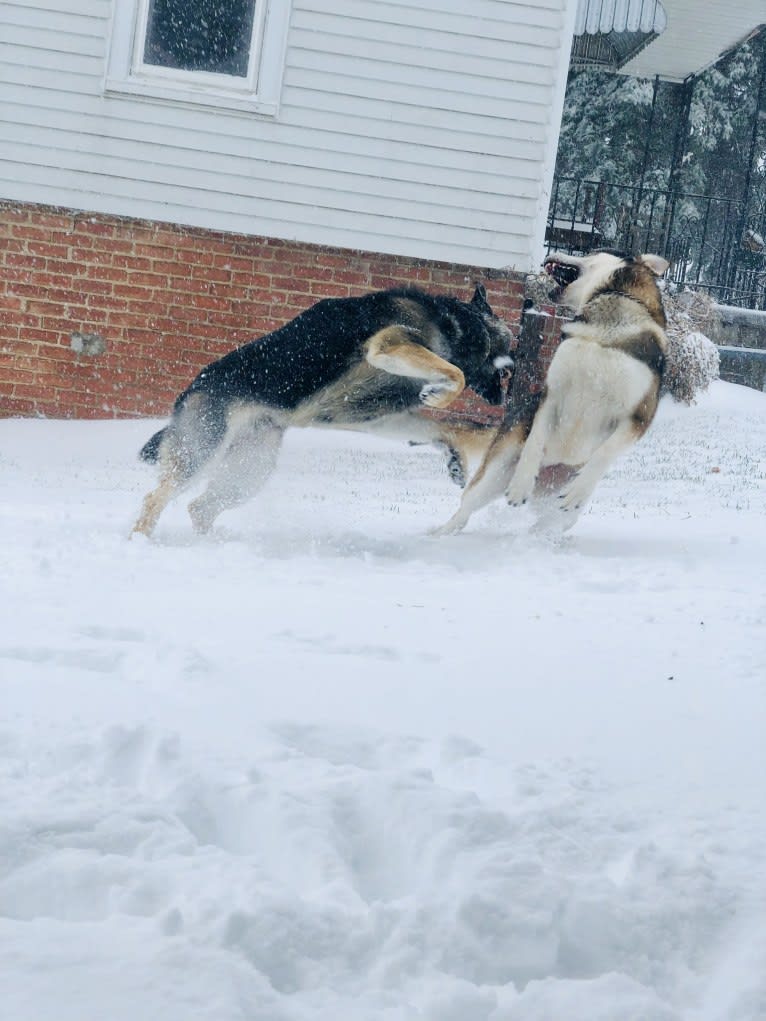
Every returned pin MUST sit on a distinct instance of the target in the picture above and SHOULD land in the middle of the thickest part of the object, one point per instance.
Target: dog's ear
(479, 300)
(655, 263)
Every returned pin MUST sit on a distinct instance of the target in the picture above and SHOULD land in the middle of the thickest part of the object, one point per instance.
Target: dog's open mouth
(564, 273)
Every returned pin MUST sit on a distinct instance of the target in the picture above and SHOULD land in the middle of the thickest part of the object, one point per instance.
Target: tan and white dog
(601, 390)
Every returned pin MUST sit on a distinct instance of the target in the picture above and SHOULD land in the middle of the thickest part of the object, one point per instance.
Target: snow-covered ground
(322, 766)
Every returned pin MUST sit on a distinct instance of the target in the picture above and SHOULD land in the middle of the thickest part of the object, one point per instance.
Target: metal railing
(715, 244)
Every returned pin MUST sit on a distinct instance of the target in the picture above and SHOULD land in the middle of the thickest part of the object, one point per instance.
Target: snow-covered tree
(611, 130)
(693, 187)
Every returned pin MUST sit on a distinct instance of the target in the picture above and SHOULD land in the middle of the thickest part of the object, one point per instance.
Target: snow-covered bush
(692, 360)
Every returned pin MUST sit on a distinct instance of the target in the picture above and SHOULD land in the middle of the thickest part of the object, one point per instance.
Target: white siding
(425, 130)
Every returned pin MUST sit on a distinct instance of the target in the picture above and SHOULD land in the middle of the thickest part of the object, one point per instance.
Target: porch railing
(713, 243)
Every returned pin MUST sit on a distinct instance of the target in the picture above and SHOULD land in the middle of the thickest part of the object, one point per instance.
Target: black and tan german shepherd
(368, 363)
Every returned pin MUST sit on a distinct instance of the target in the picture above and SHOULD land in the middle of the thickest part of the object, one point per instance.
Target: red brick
(132, 263)
(150, 250)
(128, 319)
(48, 249)
(141, 279)
(56, 220)
(174, 298)
(67, 267)
(91, 256)
(20, 319)
(92, 226)
(131, 292)
(60, 354)
(288, 285)
(252, 281)
(10, 245)
(11, 407)
(32, 232)
(354, 278)
(183, 286)
(171, 268)
(140, 335)
(114, 274)
(94, 287)
(31, 391)
(208, 273)
(24, 261)
(116, 246)
(207, 302)
(42, 336)
(19, 362)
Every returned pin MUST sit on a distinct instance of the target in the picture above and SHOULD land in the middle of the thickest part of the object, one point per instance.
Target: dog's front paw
(438, 395)
(517, 494)
(455, 524)
(573, 498)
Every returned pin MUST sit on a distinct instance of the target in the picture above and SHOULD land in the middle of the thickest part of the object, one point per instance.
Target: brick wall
(106, 317)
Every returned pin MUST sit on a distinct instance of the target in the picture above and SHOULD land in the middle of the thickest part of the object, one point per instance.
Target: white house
(177, 176)
(424, 129)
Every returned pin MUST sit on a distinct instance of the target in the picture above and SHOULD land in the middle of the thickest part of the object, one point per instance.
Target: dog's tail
(150, 451)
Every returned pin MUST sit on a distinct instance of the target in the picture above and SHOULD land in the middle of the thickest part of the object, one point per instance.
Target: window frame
(127, 74)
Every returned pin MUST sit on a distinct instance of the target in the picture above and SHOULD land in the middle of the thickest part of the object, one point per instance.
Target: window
(223, 53)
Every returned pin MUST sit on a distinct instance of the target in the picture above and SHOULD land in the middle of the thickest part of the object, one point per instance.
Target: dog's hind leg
(491, 477)
(594, 469)
(246, 464)
(397, 350)
(184, 446)
(522, 484)
(158, 499)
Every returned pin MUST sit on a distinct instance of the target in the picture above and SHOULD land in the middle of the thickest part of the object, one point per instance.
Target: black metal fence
(713, 243)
